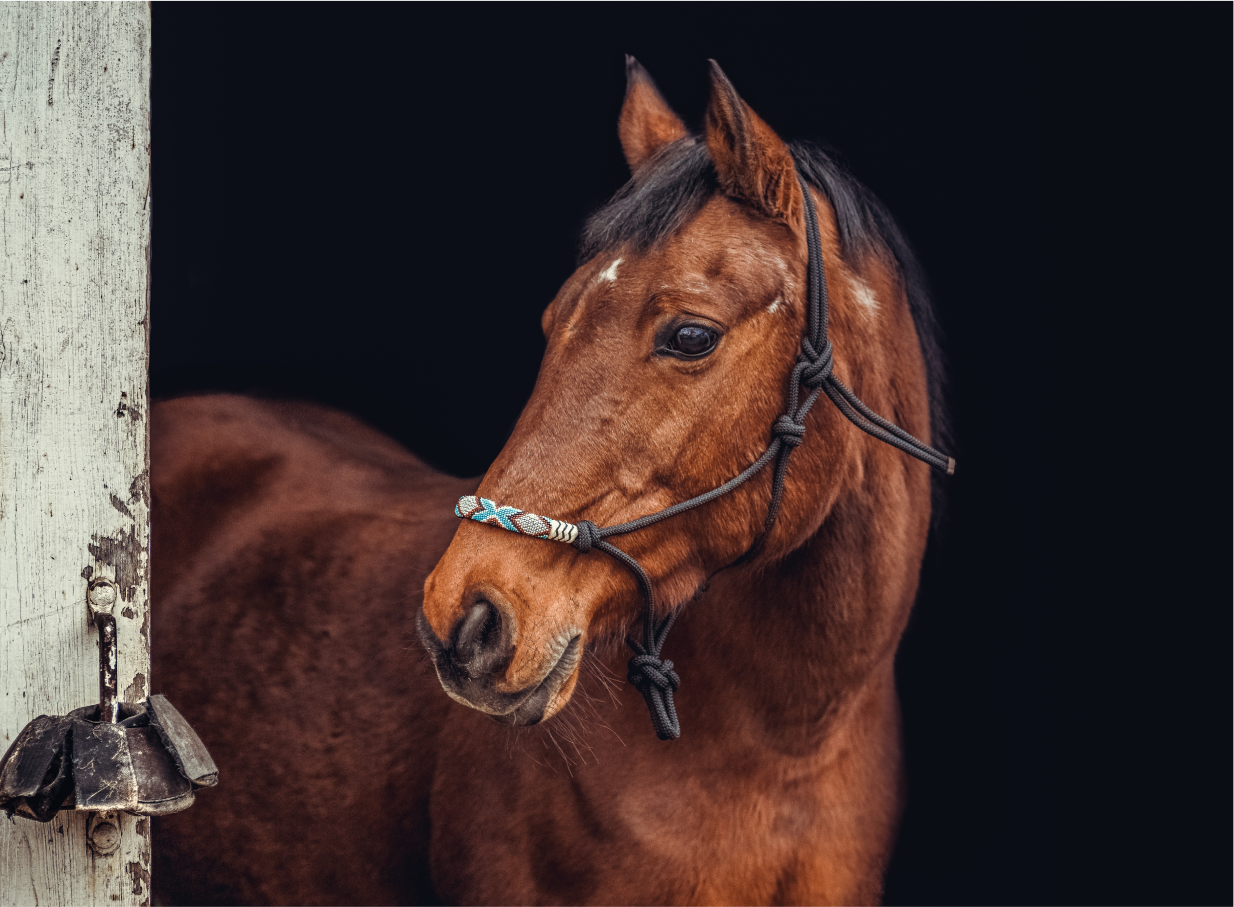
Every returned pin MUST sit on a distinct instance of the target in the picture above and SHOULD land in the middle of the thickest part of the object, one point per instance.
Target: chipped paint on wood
(125, 555)
(74, 464)
(136, 691)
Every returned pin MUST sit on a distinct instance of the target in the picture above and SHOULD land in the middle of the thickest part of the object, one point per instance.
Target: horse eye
(694, 341)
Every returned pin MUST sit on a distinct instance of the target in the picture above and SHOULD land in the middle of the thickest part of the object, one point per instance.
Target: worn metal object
(147, 763)
(101, 595)
(103, 833)
(137, 757)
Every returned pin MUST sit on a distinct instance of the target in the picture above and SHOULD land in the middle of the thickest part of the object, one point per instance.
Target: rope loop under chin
(657, 681)
(644, 669)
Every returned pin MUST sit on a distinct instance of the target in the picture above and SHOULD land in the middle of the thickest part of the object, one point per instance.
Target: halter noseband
(652, 676)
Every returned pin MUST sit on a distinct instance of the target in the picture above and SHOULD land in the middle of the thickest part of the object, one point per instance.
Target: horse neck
(789, 647)
(795, 642)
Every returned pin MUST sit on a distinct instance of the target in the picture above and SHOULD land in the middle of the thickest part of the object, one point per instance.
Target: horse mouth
(520, 708)
(535, 707)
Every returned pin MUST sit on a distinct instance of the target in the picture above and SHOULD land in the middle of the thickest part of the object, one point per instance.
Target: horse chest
(519, 831)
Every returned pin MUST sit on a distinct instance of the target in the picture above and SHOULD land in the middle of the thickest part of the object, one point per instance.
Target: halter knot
(818, 363)
(645, 669)
(588, 535)
(788, 430)
(657, 681)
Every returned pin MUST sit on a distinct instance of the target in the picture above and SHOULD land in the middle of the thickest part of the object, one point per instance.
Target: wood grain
(74, 451)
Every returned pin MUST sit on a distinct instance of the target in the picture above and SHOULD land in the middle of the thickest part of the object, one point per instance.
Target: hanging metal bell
(142, 758)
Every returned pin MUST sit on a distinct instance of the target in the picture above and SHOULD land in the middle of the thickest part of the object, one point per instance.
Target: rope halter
(651, 675)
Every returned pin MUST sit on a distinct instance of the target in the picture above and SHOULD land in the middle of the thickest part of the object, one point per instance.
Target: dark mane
(675, 185)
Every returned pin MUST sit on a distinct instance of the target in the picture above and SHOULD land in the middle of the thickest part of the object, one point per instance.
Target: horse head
(667, 363)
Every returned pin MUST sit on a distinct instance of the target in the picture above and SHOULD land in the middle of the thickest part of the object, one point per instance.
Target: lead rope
(652, 676)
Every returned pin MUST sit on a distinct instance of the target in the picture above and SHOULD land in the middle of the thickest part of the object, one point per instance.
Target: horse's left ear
(647, 123)
(752, 162)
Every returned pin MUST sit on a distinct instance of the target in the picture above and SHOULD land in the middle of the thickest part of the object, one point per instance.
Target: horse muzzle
(473, 661)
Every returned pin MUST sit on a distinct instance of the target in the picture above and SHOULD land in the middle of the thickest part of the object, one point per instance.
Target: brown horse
(293, 543)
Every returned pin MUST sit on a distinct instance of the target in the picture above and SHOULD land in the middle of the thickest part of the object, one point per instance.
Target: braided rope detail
(588, 535)
(482, 510)
(657, 681)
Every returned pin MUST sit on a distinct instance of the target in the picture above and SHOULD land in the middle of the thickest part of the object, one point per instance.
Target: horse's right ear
(647, 123)
(751, 161)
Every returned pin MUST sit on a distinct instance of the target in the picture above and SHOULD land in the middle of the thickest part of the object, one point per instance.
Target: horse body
(294, 543)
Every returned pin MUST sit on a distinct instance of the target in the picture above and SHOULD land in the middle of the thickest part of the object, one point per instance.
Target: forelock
(661, 198)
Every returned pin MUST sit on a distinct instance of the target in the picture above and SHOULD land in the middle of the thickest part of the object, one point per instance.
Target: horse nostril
(478, 644)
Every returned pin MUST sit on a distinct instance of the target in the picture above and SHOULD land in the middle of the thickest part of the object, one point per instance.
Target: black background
(370, 206)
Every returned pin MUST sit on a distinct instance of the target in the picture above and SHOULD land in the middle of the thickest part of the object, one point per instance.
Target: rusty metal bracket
(139, 757)
(101, 595)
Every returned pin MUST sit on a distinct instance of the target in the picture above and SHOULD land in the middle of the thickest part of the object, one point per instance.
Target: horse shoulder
(290, 548)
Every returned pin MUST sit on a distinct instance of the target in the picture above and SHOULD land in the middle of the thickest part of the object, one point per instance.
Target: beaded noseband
(652, 676)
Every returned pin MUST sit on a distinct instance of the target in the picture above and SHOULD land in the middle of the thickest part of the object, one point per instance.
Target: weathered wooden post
(74, 452)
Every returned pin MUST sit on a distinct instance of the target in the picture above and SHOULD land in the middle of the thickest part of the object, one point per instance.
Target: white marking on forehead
(775, 306)
(609, 273)
(864, 296)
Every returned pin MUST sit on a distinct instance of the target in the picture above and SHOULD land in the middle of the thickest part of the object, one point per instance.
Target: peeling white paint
(74, 416)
